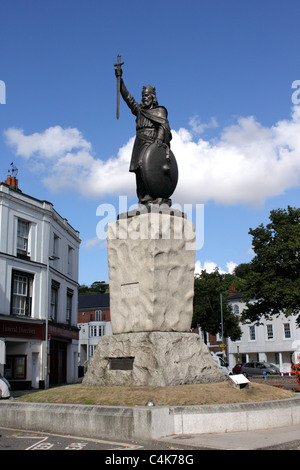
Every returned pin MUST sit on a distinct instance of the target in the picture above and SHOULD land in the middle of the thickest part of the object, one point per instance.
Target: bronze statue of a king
(152, 160)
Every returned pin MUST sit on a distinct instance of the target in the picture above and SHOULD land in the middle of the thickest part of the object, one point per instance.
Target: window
(249, 364)
(92, 349)
(101, 330)
(22, 238)
(287, 330)
(252, 336)
(98, 315)
(70, 260)
(15, 367)
(55, 244)
(54, 300)
(21, 293)
(236, 309)
(97, 330)
(93, 330)
(69, 305)
(270, 334)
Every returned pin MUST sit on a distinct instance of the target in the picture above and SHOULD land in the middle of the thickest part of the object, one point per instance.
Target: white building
(276, 341)
(38, 291)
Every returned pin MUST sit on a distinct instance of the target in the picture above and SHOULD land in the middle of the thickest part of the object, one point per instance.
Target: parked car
(221, 363)
(4, 388)
(237, 369)
(258, 368)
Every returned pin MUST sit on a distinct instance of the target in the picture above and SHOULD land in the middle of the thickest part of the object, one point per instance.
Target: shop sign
(61, 332)
(22, 330)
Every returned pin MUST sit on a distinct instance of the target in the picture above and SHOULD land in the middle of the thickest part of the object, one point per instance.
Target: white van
(221, 363)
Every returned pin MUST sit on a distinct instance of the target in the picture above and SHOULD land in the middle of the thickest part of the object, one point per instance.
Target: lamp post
(221, 290)
(223, 345)
(49, 258)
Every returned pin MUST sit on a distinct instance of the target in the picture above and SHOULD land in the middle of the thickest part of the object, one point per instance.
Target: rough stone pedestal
(152, 358)
(151, 260)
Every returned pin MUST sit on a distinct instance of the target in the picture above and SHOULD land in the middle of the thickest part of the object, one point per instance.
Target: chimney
(12, 182)
(233, 291)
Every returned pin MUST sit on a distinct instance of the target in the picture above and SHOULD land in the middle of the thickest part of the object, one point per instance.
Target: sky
(228, 72)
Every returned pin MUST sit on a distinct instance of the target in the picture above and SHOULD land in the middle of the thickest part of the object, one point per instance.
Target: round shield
(159, 173)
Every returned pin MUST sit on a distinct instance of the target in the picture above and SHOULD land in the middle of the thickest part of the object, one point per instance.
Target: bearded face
(147, 99)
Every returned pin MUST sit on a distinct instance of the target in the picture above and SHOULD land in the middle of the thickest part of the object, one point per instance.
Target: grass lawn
(181, 395)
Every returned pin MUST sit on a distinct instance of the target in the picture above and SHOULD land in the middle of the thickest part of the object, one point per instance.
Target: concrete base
(155, 359)
(146, 423)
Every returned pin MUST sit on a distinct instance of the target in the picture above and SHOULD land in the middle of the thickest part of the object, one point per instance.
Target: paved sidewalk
(276, 438)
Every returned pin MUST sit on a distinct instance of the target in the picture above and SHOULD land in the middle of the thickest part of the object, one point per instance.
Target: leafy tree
(98, 287)
(207, 307)
(273, 278)
(233, 280)
(242, 270)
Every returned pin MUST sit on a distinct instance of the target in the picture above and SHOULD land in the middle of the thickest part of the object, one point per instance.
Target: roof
(93, 301)
(235, 297)
(234, 294)
(17, 194)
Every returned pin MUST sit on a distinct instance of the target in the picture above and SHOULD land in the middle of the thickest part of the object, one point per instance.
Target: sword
(118, 66)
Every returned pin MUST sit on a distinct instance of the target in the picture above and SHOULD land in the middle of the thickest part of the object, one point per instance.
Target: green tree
(207, 306)
(241, 270)
(273, 278)
(98, 287)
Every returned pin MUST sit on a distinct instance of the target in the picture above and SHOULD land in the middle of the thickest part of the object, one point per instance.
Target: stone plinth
(152, 359)
(151, 261)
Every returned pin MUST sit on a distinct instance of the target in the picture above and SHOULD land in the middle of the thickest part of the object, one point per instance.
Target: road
(134, 454)
(16, 439)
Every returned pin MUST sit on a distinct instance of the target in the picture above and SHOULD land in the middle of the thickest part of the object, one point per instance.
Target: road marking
(76, 446)
(119, 445)
(40, 445)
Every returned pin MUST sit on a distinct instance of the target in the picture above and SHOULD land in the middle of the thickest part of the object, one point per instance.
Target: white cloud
(247, 164)
(231, 265)
(95, 242)
(67, 161)
(198, 127)
(53, 143)
(210, 266)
